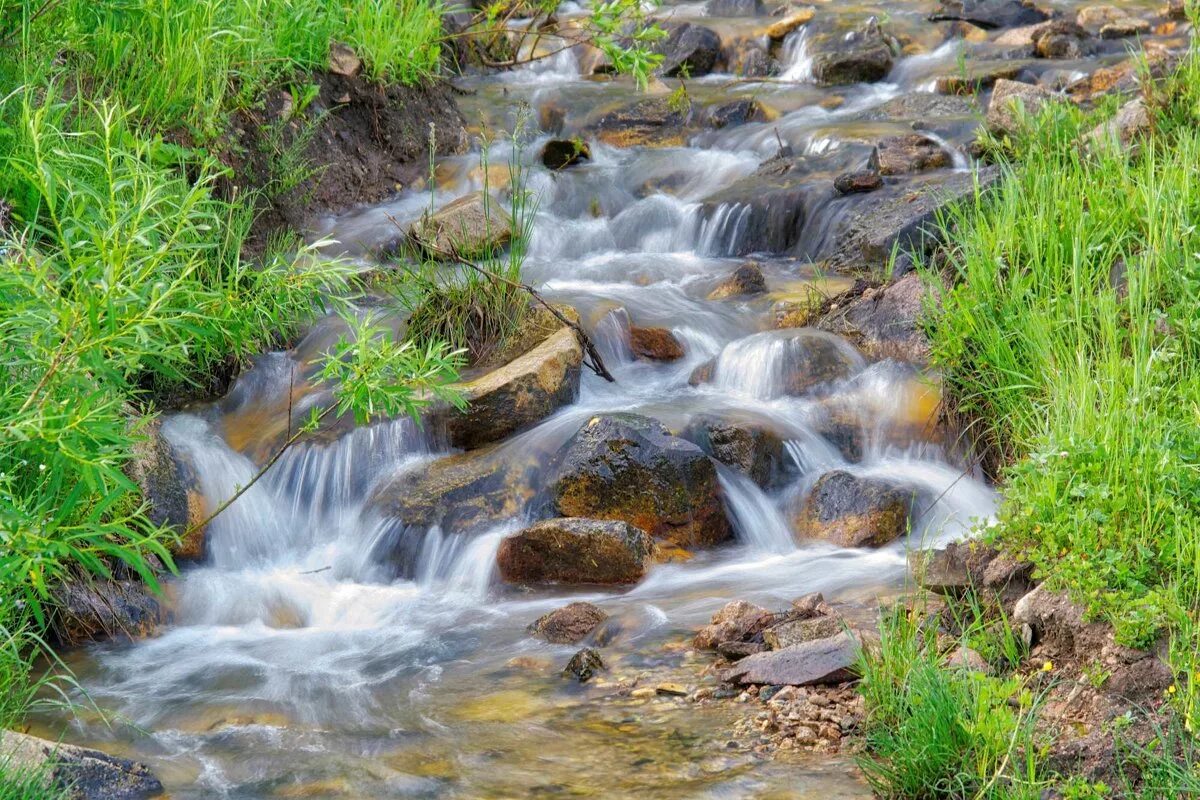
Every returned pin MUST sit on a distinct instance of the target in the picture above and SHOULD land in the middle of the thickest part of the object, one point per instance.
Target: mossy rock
(850, 511)
(576, 551)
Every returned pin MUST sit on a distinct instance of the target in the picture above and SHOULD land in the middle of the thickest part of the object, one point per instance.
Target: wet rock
(964, 658)
(1111, 22)
(650, 122)
(1011, 99)
(170, 488)
(885, 322)
(97, 610)
(343, 61)
(811, 605)
(923, 107)
(850, 511)
(734, 8)
(576, 551)
(732, 114)
(79, 773)
(734, 622)
(976, 77)
(778, 30)
(798, 631)
(690, 50)
(628, 467)
(655, 344)
(519, 394)
(472, 226)
(903, 220)
(1060, 39)
(912, 153)
(1122, 28)
(568, 625)
(1131, 122)
(747, 447)
(558, 154)
(746, 280)
(822, 661)
(858, 182)
(462, 493)
(865, 56)
(703, 373)
(797, 309)
(735, 651)
(989, 14)
(584, 665)
(1125, 78)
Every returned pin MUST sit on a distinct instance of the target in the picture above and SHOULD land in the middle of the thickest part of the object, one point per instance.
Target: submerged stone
(568, 625)
(584, 665)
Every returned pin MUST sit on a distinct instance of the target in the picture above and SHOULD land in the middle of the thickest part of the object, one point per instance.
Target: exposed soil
(355, 143)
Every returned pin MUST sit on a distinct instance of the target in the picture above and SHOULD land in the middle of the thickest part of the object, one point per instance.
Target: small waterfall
(721, 233)
(767, 365)
(797, 61)
(756, 520)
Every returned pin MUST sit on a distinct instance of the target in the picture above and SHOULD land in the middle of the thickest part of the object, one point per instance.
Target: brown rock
(745, 446)
(965, 658)
(977, 77)
(797, 631)
(860, 182)
(576, 551)
(569, 624)
(343, 61)
(584, 665)
(854, 512)
(912, 153)
(472, 226)
(745, 280)
(1009, 96)
(655, 344)
(779, 29)
(823, 661)
(735, 622)
(1132, 122)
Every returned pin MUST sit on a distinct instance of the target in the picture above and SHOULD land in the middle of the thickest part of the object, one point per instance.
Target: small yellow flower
(1049, 665)
(1171, 689)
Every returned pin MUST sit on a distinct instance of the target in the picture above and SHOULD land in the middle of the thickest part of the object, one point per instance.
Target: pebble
(672, 689)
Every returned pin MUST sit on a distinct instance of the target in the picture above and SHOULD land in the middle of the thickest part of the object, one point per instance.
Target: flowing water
(301, 664)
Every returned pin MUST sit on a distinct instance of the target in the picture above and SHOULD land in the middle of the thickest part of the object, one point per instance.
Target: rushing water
(299, 664)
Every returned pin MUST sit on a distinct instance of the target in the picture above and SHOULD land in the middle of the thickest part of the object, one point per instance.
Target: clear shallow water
(299, 664)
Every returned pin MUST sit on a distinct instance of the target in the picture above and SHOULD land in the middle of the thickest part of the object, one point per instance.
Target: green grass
(933, 733)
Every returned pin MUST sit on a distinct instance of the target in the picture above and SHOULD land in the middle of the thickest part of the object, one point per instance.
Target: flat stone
(779, 29)
(798, 631)
(858, 182)
(989, 14)
(823, 661)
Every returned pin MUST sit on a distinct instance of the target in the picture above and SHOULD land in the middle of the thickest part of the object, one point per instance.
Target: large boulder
(989, 14)
(470, 227)
(519, 394)
(863, 56)
(820, 661)
(77, 773)
(851, 511)
(689, 50)
(576, 551)
(570, 624)
(627, 467)
(885, 322)
(747, 447)
(1011, 99)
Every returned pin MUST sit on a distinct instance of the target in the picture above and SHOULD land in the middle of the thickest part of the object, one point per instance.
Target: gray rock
(747, 447)
(797, 631)
(84, 774)
(989, 14)
(95, 610)
(1131, 122)
(885, 322)
(472, 226)
(690, 49)
(863, 56)
(823, 661)
(1012, 98)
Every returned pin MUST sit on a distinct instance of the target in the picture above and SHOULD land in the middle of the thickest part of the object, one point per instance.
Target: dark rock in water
(734, 8)
(823, 661)
(517, 395)
(576, 551)
(860, 182)
(735, 651)
(731, 114)
(627, 467)
(747, 447)
(989, 14)
(80, 773)
(746, 280)
(584, 665)
(903, 219)
(568, 625)
(171, 489)
(850, 511)
(650, 122)
(925, 107)
(690, 50)
(864, 60)
(703, 373)
(462, 493)
(885, 322)
(562, 153)
(914, 152)
(734, 622)
(655, 344)
(105, 609)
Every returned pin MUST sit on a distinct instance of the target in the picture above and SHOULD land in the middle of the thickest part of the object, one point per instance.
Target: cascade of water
(797, 61)
(756, 520)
